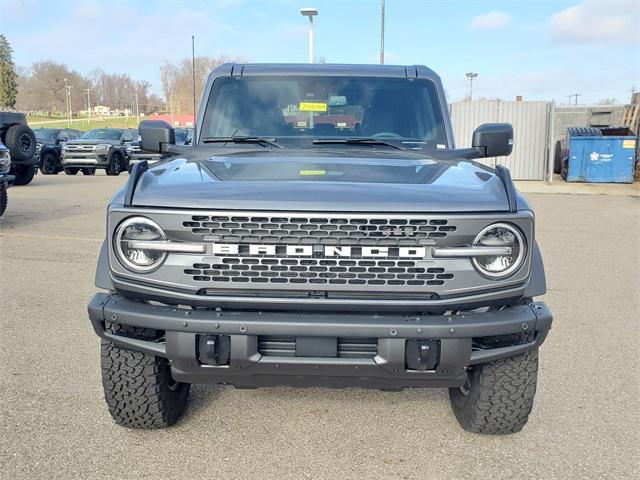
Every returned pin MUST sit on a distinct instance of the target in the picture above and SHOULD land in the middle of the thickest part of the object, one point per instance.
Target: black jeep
(16, 135)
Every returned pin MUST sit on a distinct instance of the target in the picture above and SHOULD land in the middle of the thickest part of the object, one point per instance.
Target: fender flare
(537, 281)
(103, 277)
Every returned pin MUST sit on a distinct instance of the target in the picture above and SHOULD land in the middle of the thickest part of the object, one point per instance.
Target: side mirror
(62, 140)
(493, 140)
(154, 134)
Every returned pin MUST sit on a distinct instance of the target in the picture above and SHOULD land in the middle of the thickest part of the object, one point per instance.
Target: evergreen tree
(8, 76)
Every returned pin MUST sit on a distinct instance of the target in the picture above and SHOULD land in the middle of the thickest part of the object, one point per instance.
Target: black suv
(99, 148)
(49, 148)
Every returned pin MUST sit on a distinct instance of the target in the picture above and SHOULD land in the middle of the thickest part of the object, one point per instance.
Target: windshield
(302, 109)
(102, 134)
(46, 135)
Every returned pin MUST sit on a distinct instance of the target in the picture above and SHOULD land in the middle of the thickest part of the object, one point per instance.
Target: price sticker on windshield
(312, 107)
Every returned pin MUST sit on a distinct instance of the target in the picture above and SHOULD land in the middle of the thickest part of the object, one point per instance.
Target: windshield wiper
(243, 139)
(357, 141)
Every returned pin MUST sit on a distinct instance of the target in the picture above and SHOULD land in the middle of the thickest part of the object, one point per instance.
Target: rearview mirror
(493, 140)
(155, 134)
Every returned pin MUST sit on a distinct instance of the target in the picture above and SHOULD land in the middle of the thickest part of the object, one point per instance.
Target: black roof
(333, 69)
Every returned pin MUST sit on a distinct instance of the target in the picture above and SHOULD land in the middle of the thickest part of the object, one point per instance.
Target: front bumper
(86, 159)
(6, 179)
(454, 336)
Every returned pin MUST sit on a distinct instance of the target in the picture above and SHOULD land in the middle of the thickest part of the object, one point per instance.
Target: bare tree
(177, 80)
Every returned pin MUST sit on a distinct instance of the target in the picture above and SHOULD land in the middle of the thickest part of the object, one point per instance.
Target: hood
(322, 184)
(92, 142)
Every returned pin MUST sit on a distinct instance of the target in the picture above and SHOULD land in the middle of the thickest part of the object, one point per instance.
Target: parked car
(16, 135)
(184, 136)
(98, 148)
(49, 148)
(5, 176)
(370, 253)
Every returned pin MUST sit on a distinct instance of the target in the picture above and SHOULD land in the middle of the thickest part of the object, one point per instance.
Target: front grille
(319, 271)
(322, 230)
(79, 148)
(347, 347)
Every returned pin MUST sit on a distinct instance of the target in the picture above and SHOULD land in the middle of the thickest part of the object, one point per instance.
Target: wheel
(24, 174)
(49, 164)
(71, 170)
(498, 396)
(557, 157)
(139, 389)
(89, 171)
(115, 165)
(21, 142)
(4, 199)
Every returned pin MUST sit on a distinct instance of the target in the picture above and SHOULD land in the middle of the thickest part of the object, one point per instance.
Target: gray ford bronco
(323, 230)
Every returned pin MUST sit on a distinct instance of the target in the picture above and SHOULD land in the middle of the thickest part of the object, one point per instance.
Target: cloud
(490, 21)
(597, 21)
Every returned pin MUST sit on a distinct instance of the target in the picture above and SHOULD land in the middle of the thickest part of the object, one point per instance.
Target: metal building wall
(531, 127)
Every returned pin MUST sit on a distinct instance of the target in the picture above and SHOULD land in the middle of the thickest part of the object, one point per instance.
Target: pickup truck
(321, 230)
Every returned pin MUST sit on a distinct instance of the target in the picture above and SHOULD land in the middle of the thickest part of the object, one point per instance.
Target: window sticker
(312, 107)
(305, 173)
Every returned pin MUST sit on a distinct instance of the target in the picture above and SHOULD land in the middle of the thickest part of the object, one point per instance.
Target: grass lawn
(83, 123)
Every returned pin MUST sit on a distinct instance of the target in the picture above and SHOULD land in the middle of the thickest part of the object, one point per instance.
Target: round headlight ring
(518, 262)
(120, 254)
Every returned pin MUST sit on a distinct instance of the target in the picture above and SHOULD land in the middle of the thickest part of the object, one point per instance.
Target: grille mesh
(269, 345)
(323, 230)
(316, 271)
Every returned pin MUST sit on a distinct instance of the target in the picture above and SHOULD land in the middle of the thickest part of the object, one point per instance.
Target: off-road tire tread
(501, 395)
(135, 385)
(24, 175)
(4, 199)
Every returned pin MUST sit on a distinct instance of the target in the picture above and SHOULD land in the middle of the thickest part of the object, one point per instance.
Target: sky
(540, 49)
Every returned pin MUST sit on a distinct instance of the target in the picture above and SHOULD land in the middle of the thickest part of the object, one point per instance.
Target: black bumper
(7, 179)
(248, 367)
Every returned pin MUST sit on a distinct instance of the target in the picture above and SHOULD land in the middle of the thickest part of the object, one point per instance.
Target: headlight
(102, 146)
(500, 235)
(5, 160)
(138, 259)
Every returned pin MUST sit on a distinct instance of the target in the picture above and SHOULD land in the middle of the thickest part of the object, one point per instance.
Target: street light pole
(67, 91)
(382, 34)
(310, 12)
(471, 76)
(88, 90)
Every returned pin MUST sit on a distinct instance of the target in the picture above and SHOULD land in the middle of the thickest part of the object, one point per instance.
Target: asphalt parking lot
(54, 423)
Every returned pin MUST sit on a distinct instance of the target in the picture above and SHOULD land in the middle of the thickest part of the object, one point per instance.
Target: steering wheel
(387, 135)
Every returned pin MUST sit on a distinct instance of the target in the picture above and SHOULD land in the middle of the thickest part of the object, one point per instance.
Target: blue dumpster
(600, 159)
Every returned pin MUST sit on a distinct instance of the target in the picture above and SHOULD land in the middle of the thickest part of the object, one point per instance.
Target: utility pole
(88, 90)
(471, 76)
(137, 107)
(382, 34)
(576, 95)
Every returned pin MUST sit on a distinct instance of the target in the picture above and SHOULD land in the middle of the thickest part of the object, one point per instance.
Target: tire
(24, 174)
(49, 164)
(71, 170)
(4, 199)
(499, 395)
(89, 171)
(138, 388)
(557, 157)
(115, 164)
(21, 142)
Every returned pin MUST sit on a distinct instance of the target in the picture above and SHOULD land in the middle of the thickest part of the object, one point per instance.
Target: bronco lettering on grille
(317, 251)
